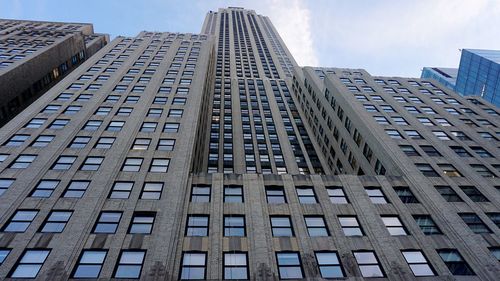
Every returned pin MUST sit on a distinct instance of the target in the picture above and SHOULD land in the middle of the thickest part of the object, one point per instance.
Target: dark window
(475, 223)
(427, 224)
(448, 194)
(405, 194)
(455, 262)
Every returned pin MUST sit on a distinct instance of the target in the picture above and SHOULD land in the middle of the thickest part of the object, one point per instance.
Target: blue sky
(386, 37)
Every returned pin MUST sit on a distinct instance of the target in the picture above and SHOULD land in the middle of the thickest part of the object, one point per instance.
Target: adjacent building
(214, 156)
(35, 55)
(444, 75)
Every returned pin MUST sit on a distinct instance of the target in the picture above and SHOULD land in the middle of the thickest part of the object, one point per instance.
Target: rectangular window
(76, 189)
(474, 194)
(20, 221)
(142, 222)
(316, 226)
(376, 195)
(5, 184)
(3, 254)
(368, 264)
(30, 263)
(107, 222)
(79, 142)
(449, 170)
(281, 226)
(105, 142)
(234, 225)
(350, 226)
(475, 223)
(394, 225)
(233, 194)
(56, 221)
(448, 193)
(194, 265)
(159, 165)
(35, 123)
(148, 127)
(132, 164)
(405, 194)
(90, 263)
(418, 263)
(177, 113)
(115, 126)
(275, 195)
(427, 224)
(124, 111)
(329, 265)
(289, 265)
(58, 124)
(337, 195)
(171, 127)
(141, 144)
(92, 163)
(235, 266)
(130, 264)
(200, 193)
(426, 170)
(45, 188)
(152, 190)
(455, 263)
(92, 125)
(306, 195)
(42, 140)
(16, 140)
(121, 190)
(166, 144)
(197, 225)
(22, 161)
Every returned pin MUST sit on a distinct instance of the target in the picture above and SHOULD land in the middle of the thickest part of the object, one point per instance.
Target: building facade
(444, 75)
(36, 55)
(479, 74)
(172, 156)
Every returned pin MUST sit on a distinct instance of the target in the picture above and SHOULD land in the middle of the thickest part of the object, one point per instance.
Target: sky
(385, 37)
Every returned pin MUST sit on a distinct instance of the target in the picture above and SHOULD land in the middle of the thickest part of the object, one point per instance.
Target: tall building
(35, 55)
(479, 74)
(444, 75)
(172, 156)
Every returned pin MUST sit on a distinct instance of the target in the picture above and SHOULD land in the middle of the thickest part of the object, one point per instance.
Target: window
(481, 152)
(76, 189)
(412, 134)
(381, 120)
(105, 142)
(141, 144)
(449, 170)
(132, 164)
(142, 223)
(425, 121)
(281, 226)
(171, 128)
(455, 262)
(160, 100)
(316, 226)
(197, 225)
(427, 224)
(233, 194)
(152, 190)
(235, 266)
(90, 263)
(79, 142)
(418, 263)
(5, 184)
(103, 110)
(175, 113)
(368, 264)
(441, 135)
(350, 226)
(72, 109)
(121, 190)
(376, 195)
(22, 161)
(474, 194)
(92, 125)
(56, 221)
(495, 218)
(159, 165)
(115, 126)
(426, 170)
(166, 144)
(30, 264)
(394, 225)
(179, 101)
(409, 150)
(148, 127)
(130, 264)
(460, 151)
(42, 141)
(399, 120)
(430, 150)
(306, 195)
(337, 195)
(482, 170)
(329, 264)
(45, 188)
(405, 194)
(193, 265)
(234, 225)
(124, 111)
(20, 221)
(495, 251)
(448, 194)
(394, 134)
(275, 195)
(35, 123)
(64, 162)
(3, 254)
(107, 222)
(58, 124)
(289, 265)
(460, 135)
(92, 163)
(16, 140)
(51, 108)
(475, 223)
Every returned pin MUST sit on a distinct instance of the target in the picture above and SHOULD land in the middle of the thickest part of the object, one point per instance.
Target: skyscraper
(35, 55)
(444, 75)
(214, 156)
